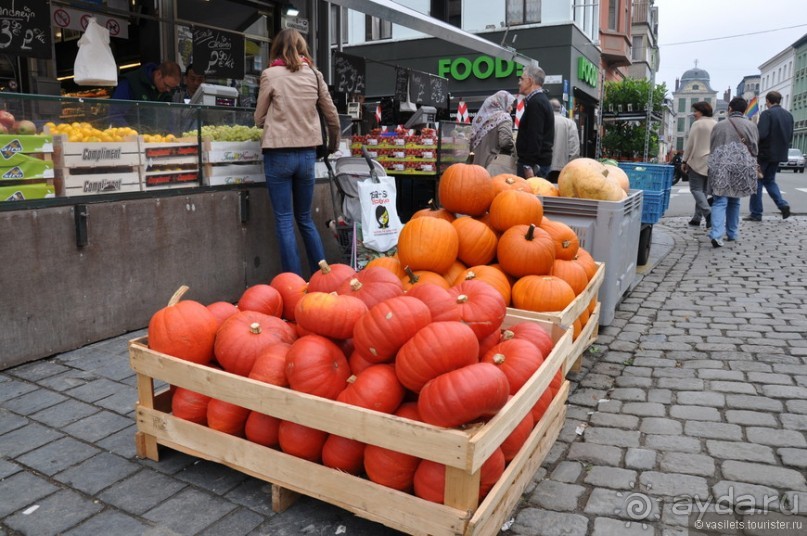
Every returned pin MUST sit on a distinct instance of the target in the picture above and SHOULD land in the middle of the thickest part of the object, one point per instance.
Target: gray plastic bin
(609, 230)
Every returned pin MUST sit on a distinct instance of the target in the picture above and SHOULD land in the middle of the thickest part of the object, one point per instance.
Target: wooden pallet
(462, 451)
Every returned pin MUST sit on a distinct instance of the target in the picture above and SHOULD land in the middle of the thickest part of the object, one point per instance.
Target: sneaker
(785, 212)
(730, 239)
(708, 221)
(695, 223)
(754, 218)
(717, 243)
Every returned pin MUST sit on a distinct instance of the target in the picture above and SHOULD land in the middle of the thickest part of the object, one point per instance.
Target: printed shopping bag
(95, 65)
(380, 224)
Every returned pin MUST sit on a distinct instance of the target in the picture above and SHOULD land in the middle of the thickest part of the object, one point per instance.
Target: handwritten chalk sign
(419, 89)
(349, 73)
(401, 83)
(220, 54)
(25, 28)
(439, 91)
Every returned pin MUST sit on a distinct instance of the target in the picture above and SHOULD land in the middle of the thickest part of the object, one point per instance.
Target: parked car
(795, 161)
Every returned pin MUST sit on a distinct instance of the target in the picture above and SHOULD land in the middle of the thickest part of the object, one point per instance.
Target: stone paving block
(37, 370)
(758, 402)
(660, 425)
(610, 436)
(69, 379)
(736, 450)
(732, 387)
(611, 477)
(588, 397)
(241, 521)
(141, 491)
(634, 372)
(794, 503)
(661, 396)
(97, 473)
(701, 398)
(793, 457)
(604, 526)
(121, 443)
(630, 422)
(538, 522)
(720, 374)
(21, 490)
(597, 381)
(57, 456)
(713, 430)
(116, 370)
(668, 442)
(653, 362)
(95, 390)
(214, 477)
(694, 413)
(701, 364)
(8, 468)
(750, 418)
(10, 421)
(775, 437)
(33, 401)
(745, 496)
(788, 392)
(644, 409)
(257, 495)
(609, 406)
(766, 475)
(640, 459)
(688, 463)
(595, 454)
(97, 426)
(622, 504)
(64, 413)
(14, 388)
(557, 452)
(769, 377)
(557, 496)
(190, 511)
(629, 394)
(111, 522)
(750, 366)
(794, 421)
(797, 406)
(567, 472)
(26, 438)
(674, 373)
(633, 381)
(122, 403)
(673, 484)
(55, 514)
(171, 461)
(680, 384)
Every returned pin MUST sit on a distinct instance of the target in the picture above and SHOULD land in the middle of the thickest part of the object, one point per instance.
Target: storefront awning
(404, 16)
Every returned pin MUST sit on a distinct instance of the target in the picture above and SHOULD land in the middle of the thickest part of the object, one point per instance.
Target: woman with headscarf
(291, 92)
(492, 129)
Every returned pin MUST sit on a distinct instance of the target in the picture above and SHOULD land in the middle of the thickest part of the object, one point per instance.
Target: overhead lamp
(290, 11)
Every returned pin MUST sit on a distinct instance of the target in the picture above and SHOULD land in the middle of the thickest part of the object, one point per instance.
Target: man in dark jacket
(536, 129)
(775, 135)
(151, 82)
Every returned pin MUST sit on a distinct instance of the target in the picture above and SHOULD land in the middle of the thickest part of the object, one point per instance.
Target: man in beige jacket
(567, 141)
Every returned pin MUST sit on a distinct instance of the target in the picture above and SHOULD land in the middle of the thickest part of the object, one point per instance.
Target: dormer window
(696, 86)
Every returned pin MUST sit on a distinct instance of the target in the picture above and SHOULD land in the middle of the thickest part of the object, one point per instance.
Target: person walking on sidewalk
(732, 170)
(775, 135)
(696, 160)
(536, 130)
(567, 141)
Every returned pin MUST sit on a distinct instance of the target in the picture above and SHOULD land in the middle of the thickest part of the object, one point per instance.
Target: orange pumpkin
(526, 250)
(222, 310)
(245, 335)
(329, 314)
(291, 287)
(329, 277)
(505, 181)
(454, 273)
(372, 285)
(490, 275)
(585, 259)
(566, 241)
(433, 211)
(542, 187)
(571, 272)
(465, 189)
(542, 293)
(184, 329)
(428, 244)
(390, 263)
(262, 298)
(477, 242)
(420, 277)
(513, 207)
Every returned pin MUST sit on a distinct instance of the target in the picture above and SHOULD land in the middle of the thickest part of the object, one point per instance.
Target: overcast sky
(772, 23)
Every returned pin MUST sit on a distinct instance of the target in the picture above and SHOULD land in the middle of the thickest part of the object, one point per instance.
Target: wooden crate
(224, 174)
(462, 451)
(567, 317)
(232, 162)
(169, 165)
(96, 181)
(96, 168)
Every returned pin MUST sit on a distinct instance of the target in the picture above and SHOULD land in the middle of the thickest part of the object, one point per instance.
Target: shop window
(335, 30)
(681, 124)
(682, 105)
(376, 29)
(523, 12)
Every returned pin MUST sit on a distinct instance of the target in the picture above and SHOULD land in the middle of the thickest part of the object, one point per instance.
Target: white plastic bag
(95, 64)
(380, 224)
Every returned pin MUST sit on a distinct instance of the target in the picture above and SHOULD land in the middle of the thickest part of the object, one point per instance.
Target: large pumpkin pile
(432, 354)
(494, 230)
(587, 178)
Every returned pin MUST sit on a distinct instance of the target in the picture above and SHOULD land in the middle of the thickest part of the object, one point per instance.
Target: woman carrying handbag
(492, 134)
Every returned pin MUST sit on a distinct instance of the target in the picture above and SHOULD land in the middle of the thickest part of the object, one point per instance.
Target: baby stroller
(345, 174)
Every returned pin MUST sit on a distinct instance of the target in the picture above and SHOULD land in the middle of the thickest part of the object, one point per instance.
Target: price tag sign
(25, 28)
(220, 54)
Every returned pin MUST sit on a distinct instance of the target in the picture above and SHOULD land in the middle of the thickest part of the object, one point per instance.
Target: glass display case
(71, 147)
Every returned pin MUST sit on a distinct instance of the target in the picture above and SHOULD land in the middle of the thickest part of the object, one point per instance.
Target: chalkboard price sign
(220, 54)
(348, 73)
(25, 28)
(401, 83)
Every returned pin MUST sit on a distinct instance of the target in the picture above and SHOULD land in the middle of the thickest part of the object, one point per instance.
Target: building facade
(644, 51)
(776, 74)
(748, 88)
(615, 38)
(799, 103)
(692, 87)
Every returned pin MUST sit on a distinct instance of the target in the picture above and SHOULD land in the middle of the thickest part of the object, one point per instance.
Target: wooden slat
(587, 337)
(145, 444)
(567, 317)
(363, 497)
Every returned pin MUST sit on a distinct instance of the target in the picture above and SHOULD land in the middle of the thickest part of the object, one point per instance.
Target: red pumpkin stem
(470, 275)
(462, 298)
(255, 328)
(355, 285)
(323, 265)
(351, 379)
(178, 295)
(507, 334)
(530, 232)
(498, 359)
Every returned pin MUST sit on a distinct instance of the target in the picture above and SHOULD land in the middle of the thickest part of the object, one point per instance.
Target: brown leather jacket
(287, 109)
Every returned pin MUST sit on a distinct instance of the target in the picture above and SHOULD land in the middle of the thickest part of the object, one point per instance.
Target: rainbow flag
(753, 108)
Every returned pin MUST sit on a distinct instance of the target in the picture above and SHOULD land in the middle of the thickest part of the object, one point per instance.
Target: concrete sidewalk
(698, 388)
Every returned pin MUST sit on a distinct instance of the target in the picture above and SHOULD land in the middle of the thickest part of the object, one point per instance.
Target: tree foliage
(624, 139)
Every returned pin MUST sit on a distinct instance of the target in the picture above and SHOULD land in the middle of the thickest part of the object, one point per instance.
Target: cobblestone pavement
(698, 389)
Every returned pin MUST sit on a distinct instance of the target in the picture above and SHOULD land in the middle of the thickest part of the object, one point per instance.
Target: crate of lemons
(85, 132)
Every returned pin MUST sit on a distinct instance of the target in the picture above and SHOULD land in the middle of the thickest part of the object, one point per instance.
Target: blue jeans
(768, 182)
(290, 180)
(725, 217)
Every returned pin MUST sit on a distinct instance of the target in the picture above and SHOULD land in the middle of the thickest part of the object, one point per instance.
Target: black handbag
(322, 150)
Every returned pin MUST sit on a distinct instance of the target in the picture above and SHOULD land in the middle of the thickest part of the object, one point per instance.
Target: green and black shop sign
(480, 68)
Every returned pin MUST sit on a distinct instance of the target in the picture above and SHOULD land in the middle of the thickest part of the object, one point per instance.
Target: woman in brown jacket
(291, 91)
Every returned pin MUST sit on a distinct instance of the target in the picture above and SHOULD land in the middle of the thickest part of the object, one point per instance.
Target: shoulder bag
(745, 142)
(322, 150)
(502, 163)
